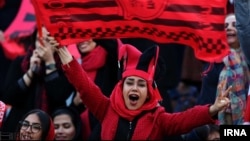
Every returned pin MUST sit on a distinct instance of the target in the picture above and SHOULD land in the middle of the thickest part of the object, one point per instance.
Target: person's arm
(57, 86)
(35, 61)
(242, 14)
(90, 93)
(183, 122)
(15, 88)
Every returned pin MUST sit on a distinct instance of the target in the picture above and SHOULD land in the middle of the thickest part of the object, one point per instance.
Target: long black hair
(75, 118)
(45, 122)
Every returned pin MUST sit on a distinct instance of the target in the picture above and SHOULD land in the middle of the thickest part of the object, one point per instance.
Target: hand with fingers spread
(222, 101)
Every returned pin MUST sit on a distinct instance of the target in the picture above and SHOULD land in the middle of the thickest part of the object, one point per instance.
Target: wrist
(50, 61)
(30, 77)
(51, 66)
(213, 110)
(29, 74)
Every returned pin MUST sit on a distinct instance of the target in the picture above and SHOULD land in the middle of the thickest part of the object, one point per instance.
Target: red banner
(22, 25)
(195, 23)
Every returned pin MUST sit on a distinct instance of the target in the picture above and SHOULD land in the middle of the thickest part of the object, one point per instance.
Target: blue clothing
(242, 13)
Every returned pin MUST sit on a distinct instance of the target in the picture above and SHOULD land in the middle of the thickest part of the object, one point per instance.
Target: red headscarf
(118, 104)
(138, 64)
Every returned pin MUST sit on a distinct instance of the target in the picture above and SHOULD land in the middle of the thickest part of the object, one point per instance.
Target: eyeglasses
(36, 127)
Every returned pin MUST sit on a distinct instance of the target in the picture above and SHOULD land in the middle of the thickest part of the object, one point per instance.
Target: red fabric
(151, 126)
(23, 25)
(51, 132)
(44, 100)
(132, 57)
(12, 49)
(247, 109)
(157, 124)
(85, 124)
(195, 23)
(117, 103)
(2, 3)
(91, 63)
(74, 51)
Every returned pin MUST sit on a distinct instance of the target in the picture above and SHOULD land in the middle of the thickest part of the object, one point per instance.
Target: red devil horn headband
(134, 62)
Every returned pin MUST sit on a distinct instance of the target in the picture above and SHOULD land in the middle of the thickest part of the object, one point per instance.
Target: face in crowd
(213, 136)
(135, 92)
(64, 127)
(231, 31)
(86, 46)
(31, 128)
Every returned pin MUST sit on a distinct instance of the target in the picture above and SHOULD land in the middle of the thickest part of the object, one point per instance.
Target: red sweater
(152, 125)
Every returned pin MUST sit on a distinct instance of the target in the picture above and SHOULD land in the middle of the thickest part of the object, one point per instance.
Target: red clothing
(91, 64)
(154, 125)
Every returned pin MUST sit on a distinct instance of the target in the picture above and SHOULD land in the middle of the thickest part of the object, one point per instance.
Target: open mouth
(133, 97)
(25, 137)
(231, 35)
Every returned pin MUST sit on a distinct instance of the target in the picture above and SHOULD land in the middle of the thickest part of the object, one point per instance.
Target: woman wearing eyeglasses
(35, 125)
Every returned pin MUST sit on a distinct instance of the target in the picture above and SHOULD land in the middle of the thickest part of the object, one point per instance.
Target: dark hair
(75, 118)
(44, 119)
(30, 43)
(201, 133)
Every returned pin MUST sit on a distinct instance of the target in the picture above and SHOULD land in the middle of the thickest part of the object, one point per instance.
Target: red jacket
(152, 125)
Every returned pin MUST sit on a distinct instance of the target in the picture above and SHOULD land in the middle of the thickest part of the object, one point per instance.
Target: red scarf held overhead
(190, 22)
(94, 61)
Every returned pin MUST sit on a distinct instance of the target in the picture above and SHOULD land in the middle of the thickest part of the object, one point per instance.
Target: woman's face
(86, 46)
(213, 136)
(231, 31)
(135, 92)
(31, 128)
(64, 128)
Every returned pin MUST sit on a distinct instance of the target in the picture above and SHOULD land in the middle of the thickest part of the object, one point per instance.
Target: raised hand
(35, 61)
(222, 101)
(62, 51)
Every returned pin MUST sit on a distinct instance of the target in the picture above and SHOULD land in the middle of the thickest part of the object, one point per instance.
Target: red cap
(136, 63)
